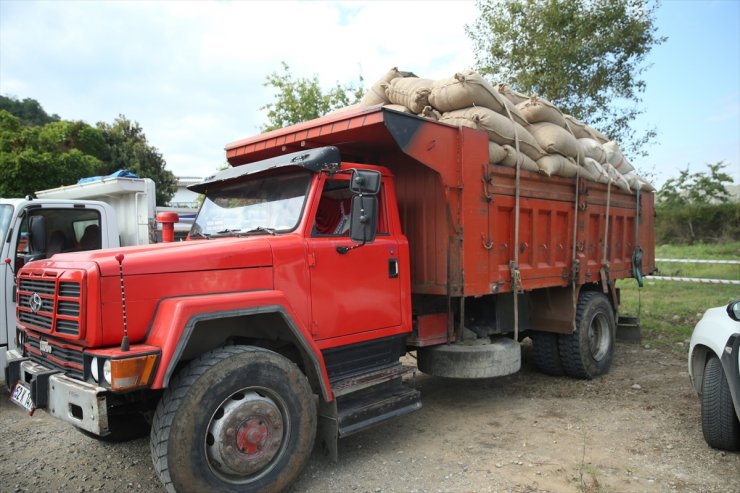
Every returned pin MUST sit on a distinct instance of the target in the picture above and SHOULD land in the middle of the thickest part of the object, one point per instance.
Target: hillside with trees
(40, 151)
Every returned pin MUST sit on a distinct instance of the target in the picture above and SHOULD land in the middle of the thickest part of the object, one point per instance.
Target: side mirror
(733, 310)
(365, 182)
(363, 218)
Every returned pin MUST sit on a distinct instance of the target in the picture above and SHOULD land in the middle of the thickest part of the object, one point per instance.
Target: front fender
(175, 319)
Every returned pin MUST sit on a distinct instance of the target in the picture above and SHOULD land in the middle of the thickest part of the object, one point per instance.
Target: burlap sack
(513, 112)
(555, 164)
(459, 121)
(463, 90)
(510, 94)
(594, 171)
(430, 113)
(412, 92)
(617, 178)
(376, 94)
(397, 107)
(637, 182)
(577, 127)
(496, 153)
(595, 134)
(555, 139)
(500, 129)
(583, 131)
(615, 157)
(511, 157)
(592, 149)
(537, 110)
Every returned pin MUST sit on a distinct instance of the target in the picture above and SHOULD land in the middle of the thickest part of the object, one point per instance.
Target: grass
(670, 309)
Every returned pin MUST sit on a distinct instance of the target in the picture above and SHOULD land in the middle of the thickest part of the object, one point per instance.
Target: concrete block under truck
(326, 252)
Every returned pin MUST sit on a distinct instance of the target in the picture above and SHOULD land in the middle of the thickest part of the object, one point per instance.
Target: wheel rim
(599, 336)
(246, 435)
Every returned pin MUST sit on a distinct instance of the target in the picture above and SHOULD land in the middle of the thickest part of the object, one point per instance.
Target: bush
(697, 223)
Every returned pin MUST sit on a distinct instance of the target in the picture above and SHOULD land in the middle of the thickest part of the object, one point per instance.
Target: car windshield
(266, 204)
(6, 213)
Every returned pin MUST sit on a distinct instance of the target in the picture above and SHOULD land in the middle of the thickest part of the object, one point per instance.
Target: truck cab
(37, 229)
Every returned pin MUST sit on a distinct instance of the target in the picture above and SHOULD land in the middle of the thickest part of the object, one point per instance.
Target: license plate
(21, 395)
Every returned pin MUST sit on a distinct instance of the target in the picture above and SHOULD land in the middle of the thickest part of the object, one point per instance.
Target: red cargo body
(458, 212)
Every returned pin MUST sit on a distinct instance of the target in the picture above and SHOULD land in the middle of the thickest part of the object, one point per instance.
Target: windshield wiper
(261, 229)
(198, 234)
(225, 232)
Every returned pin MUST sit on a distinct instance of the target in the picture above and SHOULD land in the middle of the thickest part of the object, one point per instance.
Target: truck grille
(58, 356)
(48, 304)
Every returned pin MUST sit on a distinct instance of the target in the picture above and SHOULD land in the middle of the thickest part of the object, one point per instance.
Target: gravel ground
(634, 430)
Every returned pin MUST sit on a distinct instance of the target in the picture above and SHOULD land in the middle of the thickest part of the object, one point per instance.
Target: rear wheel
(546, 353)
(588, 352)
(719, 423)
(235, 419)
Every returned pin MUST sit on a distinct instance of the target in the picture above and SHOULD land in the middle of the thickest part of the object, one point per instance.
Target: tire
(546, 353)
(719, 423)
(234, 419)
(588, 352)
(124, 428)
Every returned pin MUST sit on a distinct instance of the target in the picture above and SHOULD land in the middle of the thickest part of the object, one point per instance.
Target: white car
(714, 368)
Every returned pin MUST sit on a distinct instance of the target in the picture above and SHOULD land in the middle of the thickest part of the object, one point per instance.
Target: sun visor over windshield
(310, 159)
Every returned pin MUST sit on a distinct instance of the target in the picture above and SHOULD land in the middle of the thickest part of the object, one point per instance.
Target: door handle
(392, 268)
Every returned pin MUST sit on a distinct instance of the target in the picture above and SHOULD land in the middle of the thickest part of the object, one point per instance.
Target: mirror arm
(342, 250)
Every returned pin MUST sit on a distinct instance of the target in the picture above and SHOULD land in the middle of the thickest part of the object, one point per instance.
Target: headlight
(94, 368)
(106, 371)
(123, 373)
(20, 339)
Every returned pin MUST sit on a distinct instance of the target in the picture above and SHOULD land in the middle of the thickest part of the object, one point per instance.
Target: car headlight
(94, 368)
(107, 371)
(20, 339)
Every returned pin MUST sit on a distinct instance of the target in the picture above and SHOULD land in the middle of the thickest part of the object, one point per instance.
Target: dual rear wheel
(586, 353)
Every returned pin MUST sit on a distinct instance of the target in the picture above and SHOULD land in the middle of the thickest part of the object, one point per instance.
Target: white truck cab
(32, 229)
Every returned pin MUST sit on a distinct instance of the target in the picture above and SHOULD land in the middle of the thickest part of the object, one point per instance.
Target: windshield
(265, 204)
(6, 213)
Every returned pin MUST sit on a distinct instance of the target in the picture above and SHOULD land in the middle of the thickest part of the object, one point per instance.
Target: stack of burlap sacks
(520, 128)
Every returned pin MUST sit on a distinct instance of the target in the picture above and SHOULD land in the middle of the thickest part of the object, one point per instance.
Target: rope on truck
(514, 272)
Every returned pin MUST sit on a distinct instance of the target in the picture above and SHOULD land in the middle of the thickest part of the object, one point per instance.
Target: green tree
(61, 152)
(301, 99)
(29, 111)
(696, 207)
(128, 148)
(696, 188)
(586, 57)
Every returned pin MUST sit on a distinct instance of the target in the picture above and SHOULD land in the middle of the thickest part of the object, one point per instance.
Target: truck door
(358, 290)
(7, 317)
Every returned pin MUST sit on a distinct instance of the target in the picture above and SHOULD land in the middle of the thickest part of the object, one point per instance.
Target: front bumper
(81, 404)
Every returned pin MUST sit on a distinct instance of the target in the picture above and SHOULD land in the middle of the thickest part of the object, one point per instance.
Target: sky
(192, 73)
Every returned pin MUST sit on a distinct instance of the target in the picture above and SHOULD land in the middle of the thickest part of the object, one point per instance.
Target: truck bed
(458, 212)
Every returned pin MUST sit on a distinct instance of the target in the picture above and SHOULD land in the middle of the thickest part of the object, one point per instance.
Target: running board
(361, 405)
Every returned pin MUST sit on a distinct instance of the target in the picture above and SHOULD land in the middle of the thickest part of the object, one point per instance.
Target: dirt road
(634, 430)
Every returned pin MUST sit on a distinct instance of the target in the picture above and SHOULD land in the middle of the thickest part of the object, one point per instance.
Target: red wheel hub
(252, 436)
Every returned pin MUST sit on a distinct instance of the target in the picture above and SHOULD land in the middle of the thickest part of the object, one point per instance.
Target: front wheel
(588, 352)
(719, 423)
(235, 419)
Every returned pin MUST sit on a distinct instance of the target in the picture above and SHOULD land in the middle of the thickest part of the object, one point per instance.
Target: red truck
(328, 250)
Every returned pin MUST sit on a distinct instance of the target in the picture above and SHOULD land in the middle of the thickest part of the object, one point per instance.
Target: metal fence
(696, 279)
